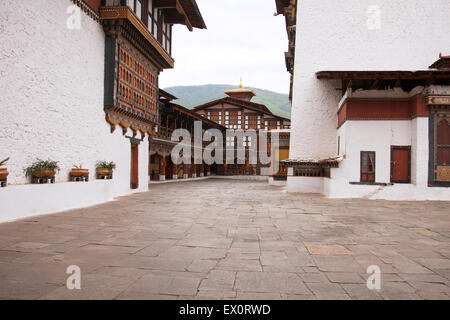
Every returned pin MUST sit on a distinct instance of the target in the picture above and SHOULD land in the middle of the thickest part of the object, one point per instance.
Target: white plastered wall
(334, 35)
(52, 81)
(378, 136)
(374, 135)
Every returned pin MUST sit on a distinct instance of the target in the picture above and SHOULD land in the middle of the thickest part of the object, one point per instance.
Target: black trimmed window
(155, 22)
(367, 166)
(152, 19)
(167, 37)
(136, 6)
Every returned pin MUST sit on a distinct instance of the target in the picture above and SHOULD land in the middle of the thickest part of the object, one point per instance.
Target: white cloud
(243, 38)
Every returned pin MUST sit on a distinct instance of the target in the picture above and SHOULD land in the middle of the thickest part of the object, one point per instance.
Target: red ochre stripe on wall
(366, 109)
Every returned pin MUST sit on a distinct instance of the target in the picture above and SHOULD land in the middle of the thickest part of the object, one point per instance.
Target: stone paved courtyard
(226, 239)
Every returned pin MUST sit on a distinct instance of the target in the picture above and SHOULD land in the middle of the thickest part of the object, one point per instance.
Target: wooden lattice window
(367, 166)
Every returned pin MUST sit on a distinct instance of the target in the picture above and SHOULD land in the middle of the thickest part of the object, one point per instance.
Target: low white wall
(341, 188)
(21, 201)
(274, 182)
(305, 184)
(371, 135)
(52, 107)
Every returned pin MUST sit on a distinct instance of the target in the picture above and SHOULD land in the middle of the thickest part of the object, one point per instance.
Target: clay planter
(104, 172)
(79, 172)
(41, 173)
(3, 173)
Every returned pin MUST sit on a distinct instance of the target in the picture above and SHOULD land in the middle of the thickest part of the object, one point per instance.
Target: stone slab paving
(229, 239)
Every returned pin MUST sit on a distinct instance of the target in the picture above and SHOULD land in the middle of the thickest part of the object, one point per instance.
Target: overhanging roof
(383, 75)
(182, 12)
(166, 95)
(236, 102)
(195, 16)
(241, 103)
(381, 80)
(442, 63)
(195, 115)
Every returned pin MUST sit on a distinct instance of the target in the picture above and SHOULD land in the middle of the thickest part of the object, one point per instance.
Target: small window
(130, 3)
(155, 22)
(367, 166)
(150, 16)
(138, 9)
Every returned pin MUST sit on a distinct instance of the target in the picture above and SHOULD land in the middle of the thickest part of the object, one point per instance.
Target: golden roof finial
(240, 84)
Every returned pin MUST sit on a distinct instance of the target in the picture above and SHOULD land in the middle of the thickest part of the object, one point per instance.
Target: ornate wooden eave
(323, 163)
(380, 80)
(123, 20)
(183, 12)
(383, 75)
(175, 13)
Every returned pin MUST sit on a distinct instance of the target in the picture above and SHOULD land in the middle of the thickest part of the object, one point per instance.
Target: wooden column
(134, 179)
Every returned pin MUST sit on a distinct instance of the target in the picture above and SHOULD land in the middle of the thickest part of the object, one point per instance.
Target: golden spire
(240, 84)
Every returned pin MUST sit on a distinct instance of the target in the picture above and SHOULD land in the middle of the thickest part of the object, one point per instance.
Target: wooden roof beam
(166, 4)
(179, 17)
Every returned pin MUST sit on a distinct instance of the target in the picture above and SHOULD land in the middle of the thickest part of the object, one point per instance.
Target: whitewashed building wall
(52, 81)
(340, 36)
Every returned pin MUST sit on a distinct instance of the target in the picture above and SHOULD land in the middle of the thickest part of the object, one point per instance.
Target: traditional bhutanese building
(237, 111)
(81, 87)
(171, 117)
(371, 107)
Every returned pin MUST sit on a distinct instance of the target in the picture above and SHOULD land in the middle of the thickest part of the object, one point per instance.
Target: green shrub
(105, 165)
(3, 162)
(40, 165)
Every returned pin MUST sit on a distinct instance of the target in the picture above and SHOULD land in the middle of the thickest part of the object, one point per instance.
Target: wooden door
(134, 166)
(401, 164)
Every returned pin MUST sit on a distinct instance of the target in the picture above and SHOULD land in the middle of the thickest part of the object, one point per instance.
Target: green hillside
(191, 96)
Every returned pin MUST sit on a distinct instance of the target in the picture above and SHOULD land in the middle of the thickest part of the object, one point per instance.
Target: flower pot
(3, 173)
(41, 173)
(104, 172)
(79, 172)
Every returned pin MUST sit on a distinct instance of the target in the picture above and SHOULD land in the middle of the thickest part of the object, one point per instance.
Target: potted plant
(3, 172)
(105, 169)
(79, 174)
(42, 170)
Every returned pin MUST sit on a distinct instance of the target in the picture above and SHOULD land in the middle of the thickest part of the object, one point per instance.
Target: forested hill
(191, 96)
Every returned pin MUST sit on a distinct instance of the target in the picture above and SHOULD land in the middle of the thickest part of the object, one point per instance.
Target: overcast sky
(243, 38)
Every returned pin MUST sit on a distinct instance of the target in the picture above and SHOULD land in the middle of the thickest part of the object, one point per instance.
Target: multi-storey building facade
(171, 117)
(370, 115)
(238, 112)
(80, 80)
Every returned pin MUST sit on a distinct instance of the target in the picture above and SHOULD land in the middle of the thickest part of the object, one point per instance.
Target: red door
(401, 164)
(134, 166)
